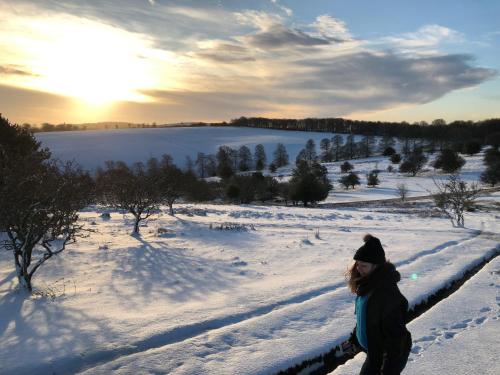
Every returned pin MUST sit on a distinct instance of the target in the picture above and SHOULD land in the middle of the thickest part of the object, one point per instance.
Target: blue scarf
(360, 311)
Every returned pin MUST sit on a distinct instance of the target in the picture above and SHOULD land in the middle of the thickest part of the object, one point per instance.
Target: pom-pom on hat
(371, 252)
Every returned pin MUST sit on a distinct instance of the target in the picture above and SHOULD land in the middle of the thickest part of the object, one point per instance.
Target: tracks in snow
(183, 333)
(327, 362)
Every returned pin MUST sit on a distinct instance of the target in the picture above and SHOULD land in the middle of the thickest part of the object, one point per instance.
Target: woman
(380, 311)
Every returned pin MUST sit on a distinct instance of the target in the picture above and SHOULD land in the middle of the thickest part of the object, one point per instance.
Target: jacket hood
(385, 274)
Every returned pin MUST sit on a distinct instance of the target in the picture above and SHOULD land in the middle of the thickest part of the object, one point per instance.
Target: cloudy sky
(186, 60)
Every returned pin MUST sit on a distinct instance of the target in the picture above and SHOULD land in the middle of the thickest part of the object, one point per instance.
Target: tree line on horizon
(48, 127)
(485, 132)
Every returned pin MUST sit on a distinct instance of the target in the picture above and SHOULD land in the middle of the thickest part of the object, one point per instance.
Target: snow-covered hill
(196, 300)
(92, 148)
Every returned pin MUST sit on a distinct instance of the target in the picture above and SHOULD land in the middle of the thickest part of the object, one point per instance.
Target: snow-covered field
(188, 298)
(419, 185)
(196, 300)
(92, 148)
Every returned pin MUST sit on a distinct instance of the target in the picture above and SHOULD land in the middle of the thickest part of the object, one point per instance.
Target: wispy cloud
(287, 11)
(426, 39)
(215, 63)
(223, 52)
(278, 36)
(331, 28)
(258, 19)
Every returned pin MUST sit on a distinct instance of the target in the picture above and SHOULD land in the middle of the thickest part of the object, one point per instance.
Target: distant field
(92, 148)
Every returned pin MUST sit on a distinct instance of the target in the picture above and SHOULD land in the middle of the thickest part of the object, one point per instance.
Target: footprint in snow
(416, 349)
(480, 320)
(426, 338)
(449, 335)
(239, 264)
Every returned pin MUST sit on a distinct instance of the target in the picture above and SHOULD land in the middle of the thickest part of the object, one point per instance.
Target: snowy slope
(92, 148)
(199, 300)
(459, 336)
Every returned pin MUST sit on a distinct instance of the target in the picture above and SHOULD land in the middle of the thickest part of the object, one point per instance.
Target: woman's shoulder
(387, 285)
(386, 275)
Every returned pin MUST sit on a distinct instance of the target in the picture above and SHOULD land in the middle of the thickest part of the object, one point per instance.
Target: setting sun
(92, 62)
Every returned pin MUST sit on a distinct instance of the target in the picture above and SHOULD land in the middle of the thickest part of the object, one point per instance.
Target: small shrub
(352, 179)
(472, 148)
(449, 161)
(395, 158)
(346, 167)
(389, 151)
(372, 179)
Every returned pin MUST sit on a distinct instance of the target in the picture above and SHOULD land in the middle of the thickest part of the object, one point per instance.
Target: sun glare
(95, 63)
(89, 61)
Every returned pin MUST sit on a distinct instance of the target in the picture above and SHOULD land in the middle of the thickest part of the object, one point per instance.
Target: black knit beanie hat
(371, 252)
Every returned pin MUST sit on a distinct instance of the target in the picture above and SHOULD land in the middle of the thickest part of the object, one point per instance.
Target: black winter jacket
(386, 313)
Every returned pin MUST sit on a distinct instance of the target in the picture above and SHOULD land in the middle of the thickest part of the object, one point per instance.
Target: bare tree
(201, 163)
(245, 158)
(336, 146)
(454, 197)
(310, 152)
(171, 182)
(39, 201)
(280, 156)
(134, 190)
(402, 191)
(260, 157)
(43, 214)
(326, 150)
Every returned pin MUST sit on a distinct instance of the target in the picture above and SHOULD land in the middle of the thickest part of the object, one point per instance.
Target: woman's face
(365, 268)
